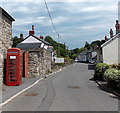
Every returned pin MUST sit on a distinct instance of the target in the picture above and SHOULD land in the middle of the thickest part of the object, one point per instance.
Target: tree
(87, 45)
(16, 40)
(60, 48)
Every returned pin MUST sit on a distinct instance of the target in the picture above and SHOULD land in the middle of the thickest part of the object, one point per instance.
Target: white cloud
(60, 1)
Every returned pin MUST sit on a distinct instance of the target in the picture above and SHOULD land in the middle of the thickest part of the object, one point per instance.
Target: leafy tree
(60, 48)
(97, 42)
(87, 45)
(16, 40)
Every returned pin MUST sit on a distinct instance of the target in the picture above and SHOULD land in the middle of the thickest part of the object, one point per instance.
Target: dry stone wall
(39, 62)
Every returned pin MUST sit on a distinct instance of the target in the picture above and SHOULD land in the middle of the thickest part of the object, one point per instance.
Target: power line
(51, 18)
(53, 25)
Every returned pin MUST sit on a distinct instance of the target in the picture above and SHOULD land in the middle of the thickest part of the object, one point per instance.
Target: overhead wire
(59, 37)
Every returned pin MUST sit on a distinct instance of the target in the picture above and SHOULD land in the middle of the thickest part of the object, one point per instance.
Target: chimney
(117, 26)
(31, 32)
(32, 27)
(21, 36)
(111, 33)
(41, 37)
(106, 39)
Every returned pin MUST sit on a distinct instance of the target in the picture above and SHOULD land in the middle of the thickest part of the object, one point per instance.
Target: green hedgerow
(99, 71)
(112, 76)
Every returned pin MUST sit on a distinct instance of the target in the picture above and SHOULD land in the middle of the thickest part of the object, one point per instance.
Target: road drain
(74, 87)
(31, 94)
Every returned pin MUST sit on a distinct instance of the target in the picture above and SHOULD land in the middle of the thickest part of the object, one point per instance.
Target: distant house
(87, 56)
(5, 38)
(111, 50)
(37, 53)
(99, 55)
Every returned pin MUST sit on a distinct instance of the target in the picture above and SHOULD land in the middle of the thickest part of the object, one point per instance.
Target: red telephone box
(14, 67)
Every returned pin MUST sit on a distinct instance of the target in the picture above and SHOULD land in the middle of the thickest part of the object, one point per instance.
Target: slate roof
(28, 45)
(85, 52)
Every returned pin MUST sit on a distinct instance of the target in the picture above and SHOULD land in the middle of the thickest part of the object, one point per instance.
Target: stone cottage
(5, 37)
(38, 53)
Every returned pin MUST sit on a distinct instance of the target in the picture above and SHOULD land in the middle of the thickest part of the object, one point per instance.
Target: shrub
(112, 76)
(115, 66)
(99, 71)
(60, 64)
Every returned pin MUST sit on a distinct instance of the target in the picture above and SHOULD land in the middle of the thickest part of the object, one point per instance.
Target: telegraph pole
(58, 45)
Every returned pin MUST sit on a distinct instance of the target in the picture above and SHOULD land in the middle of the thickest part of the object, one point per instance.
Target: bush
(60, 64)
(99, 71)
(115, 66)
(112, 76)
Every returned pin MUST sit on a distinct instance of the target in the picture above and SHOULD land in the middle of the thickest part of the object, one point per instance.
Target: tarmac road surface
(68, 90)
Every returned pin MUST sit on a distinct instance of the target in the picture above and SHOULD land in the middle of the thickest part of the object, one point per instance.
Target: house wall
(99, 56)
(119, 49)
(5, 40)
(39, 62)
(119, 12)
(110, 52)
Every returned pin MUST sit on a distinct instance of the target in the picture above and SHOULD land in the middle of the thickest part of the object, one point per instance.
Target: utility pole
(64, 48)
(58, 45)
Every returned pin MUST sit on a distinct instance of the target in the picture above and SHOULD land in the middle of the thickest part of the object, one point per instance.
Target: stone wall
(39, 62)
(5, 40)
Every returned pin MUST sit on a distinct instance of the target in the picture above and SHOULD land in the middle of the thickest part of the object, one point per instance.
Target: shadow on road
(104, 88)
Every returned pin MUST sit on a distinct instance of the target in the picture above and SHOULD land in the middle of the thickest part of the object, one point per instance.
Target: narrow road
(69, 90)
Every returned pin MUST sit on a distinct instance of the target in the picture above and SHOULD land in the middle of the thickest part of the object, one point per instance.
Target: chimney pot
(32, 32)
(41, 37)
(106, 39)
(111, 33)
(117, 26)
(21, 36)
(32, 27)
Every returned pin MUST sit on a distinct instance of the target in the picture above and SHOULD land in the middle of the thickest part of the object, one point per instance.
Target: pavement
(70, 89)
(9, 91)
(103, 85)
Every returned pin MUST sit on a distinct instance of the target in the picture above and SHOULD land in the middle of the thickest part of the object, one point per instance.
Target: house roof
(6, 14)
(28, 45)
(114, 37)
(43, 41)
(85, 52)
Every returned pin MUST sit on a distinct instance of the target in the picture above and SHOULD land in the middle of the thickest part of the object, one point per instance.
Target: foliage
(60, 64)
(16, 40)
(73, 53)
(112, 76)
(60, 48)
(99, 71)
(97, 42)
(115, 66)
(87, 45)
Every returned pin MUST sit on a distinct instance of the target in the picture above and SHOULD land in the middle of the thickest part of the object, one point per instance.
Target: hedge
(112, 77)
(99, 71)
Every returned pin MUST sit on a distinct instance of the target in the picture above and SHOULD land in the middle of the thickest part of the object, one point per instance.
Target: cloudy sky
(75, 21)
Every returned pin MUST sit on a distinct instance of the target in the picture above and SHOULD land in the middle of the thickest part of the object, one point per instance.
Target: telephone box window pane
(12, 57)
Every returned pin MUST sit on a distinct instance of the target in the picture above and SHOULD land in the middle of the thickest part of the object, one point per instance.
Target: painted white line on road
(11, 98)
(54, 73)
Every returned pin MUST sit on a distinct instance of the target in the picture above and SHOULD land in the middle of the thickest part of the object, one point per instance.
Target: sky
(77, 21)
